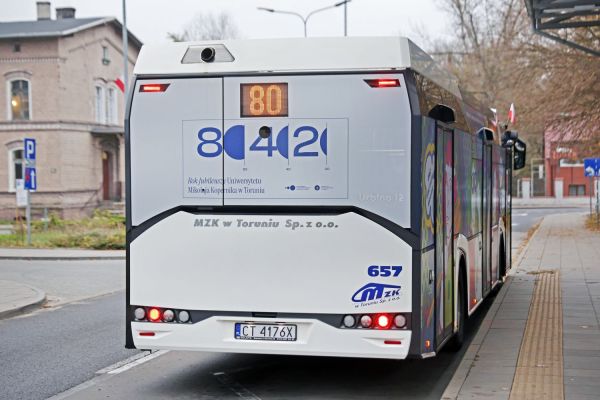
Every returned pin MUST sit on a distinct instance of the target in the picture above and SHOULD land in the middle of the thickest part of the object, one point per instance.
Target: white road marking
(126, 361)
(104, 374)
(519, 214)
(515, 224)
(235, 387)
(137, 362)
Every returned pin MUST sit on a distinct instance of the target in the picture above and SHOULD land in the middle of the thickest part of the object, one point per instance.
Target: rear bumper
(314, 338)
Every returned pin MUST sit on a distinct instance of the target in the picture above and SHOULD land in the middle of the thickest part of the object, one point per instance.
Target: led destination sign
(264, 99)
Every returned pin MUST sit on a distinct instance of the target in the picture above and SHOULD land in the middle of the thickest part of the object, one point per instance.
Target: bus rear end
(269, 212)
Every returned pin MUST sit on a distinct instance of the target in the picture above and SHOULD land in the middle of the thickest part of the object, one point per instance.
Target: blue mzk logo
(375, 291)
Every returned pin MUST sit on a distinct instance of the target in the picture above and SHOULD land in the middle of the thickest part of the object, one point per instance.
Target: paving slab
(562, 359)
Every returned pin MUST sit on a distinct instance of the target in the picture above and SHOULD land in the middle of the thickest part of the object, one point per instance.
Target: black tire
(461, 315)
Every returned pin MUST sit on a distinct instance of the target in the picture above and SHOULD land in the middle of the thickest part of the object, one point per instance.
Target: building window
(576, 190)
(105, 59)
(20, 100)
(570, 162)
(17, 48)
(100, 105)
(15, 168)
(111, 109)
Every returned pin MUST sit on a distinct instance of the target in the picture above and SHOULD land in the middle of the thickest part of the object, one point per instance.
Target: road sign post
(591, 168)
(21, 193)
(30, 183)
(597, 201)
(591, 186)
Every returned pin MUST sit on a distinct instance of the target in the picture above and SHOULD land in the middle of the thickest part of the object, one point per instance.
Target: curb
(452, 391)
(62, 258)
(24, 308)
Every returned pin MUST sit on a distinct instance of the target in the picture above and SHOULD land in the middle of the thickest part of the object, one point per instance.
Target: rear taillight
(168, 316)
(154, 315)
(349, 321)
(183, 316)
(383, 83)
(154, 87)
(157, 314)
(400, 321)
(366, 321)
(382, 321)
(139, 313)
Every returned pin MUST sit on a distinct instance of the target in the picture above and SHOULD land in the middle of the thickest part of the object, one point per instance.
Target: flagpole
(125, 50)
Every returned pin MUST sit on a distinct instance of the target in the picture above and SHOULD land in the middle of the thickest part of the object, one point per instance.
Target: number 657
(384, 270)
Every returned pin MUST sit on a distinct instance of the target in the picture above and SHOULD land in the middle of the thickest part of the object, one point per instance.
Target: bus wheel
(459, 337)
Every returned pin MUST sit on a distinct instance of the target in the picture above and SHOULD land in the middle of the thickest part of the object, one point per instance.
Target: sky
(150, 20)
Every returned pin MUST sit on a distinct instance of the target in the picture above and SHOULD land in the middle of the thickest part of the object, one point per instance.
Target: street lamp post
(310, 14)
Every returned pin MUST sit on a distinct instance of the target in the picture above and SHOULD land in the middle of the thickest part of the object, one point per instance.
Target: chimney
(65, 13)
(43, 10)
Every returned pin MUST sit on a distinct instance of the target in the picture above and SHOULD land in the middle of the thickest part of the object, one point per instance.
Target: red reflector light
(154, 87)
(381, 83)
(392, 342)
(383, 321)
(146, 333)
(154, 314)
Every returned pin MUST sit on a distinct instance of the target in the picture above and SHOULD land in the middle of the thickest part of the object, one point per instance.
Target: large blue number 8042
(234, 142)
(205, 142)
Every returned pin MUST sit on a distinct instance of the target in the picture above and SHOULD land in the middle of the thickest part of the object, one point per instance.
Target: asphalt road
(55, 349)
(525, 218)
(194, 375)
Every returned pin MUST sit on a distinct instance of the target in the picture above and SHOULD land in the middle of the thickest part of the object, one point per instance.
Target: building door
(444, 268)
(487, 218)
(106, 175)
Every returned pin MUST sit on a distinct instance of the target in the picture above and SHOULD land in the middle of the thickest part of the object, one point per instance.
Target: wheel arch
(461, 264)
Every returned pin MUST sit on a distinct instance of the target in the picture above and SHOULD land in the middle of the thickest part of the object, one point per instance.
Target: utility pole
(125, 50)
(345, 18)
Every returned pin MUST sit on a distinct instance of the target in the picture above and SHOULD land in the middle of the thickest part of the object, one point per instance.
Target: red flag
(119, 82)
(512, 116)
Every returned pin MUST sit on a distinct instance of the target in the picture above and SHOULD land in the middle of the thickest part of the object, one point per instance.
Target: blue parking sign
(29, 145)
(30, 179)
(591, 166)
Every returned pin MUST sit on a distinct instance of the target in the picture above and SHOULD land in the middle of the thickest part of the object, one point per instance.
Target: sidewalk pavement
(541, 337)
(18, 298)
(60, 254)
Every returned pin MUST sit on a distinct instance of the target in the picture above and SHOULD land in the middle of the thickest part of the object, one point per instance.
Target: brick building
(58, 85)
(564, 151)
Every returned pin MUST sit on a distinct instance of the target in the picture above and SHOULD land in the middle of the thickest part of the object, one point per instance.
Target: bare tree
(497, 56)
(207, 27)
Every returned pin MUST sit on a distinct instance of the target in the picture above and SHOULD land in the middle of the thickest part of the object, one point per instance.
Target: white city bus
(334, 197)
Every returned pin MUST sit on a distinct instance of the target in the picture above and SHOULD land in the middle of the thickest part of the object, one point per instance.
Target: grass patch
(103, 231)
(591, 223)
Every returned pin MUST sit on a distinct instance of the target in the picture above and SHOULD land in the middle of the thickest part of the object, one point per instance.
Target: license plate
(286, 333)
